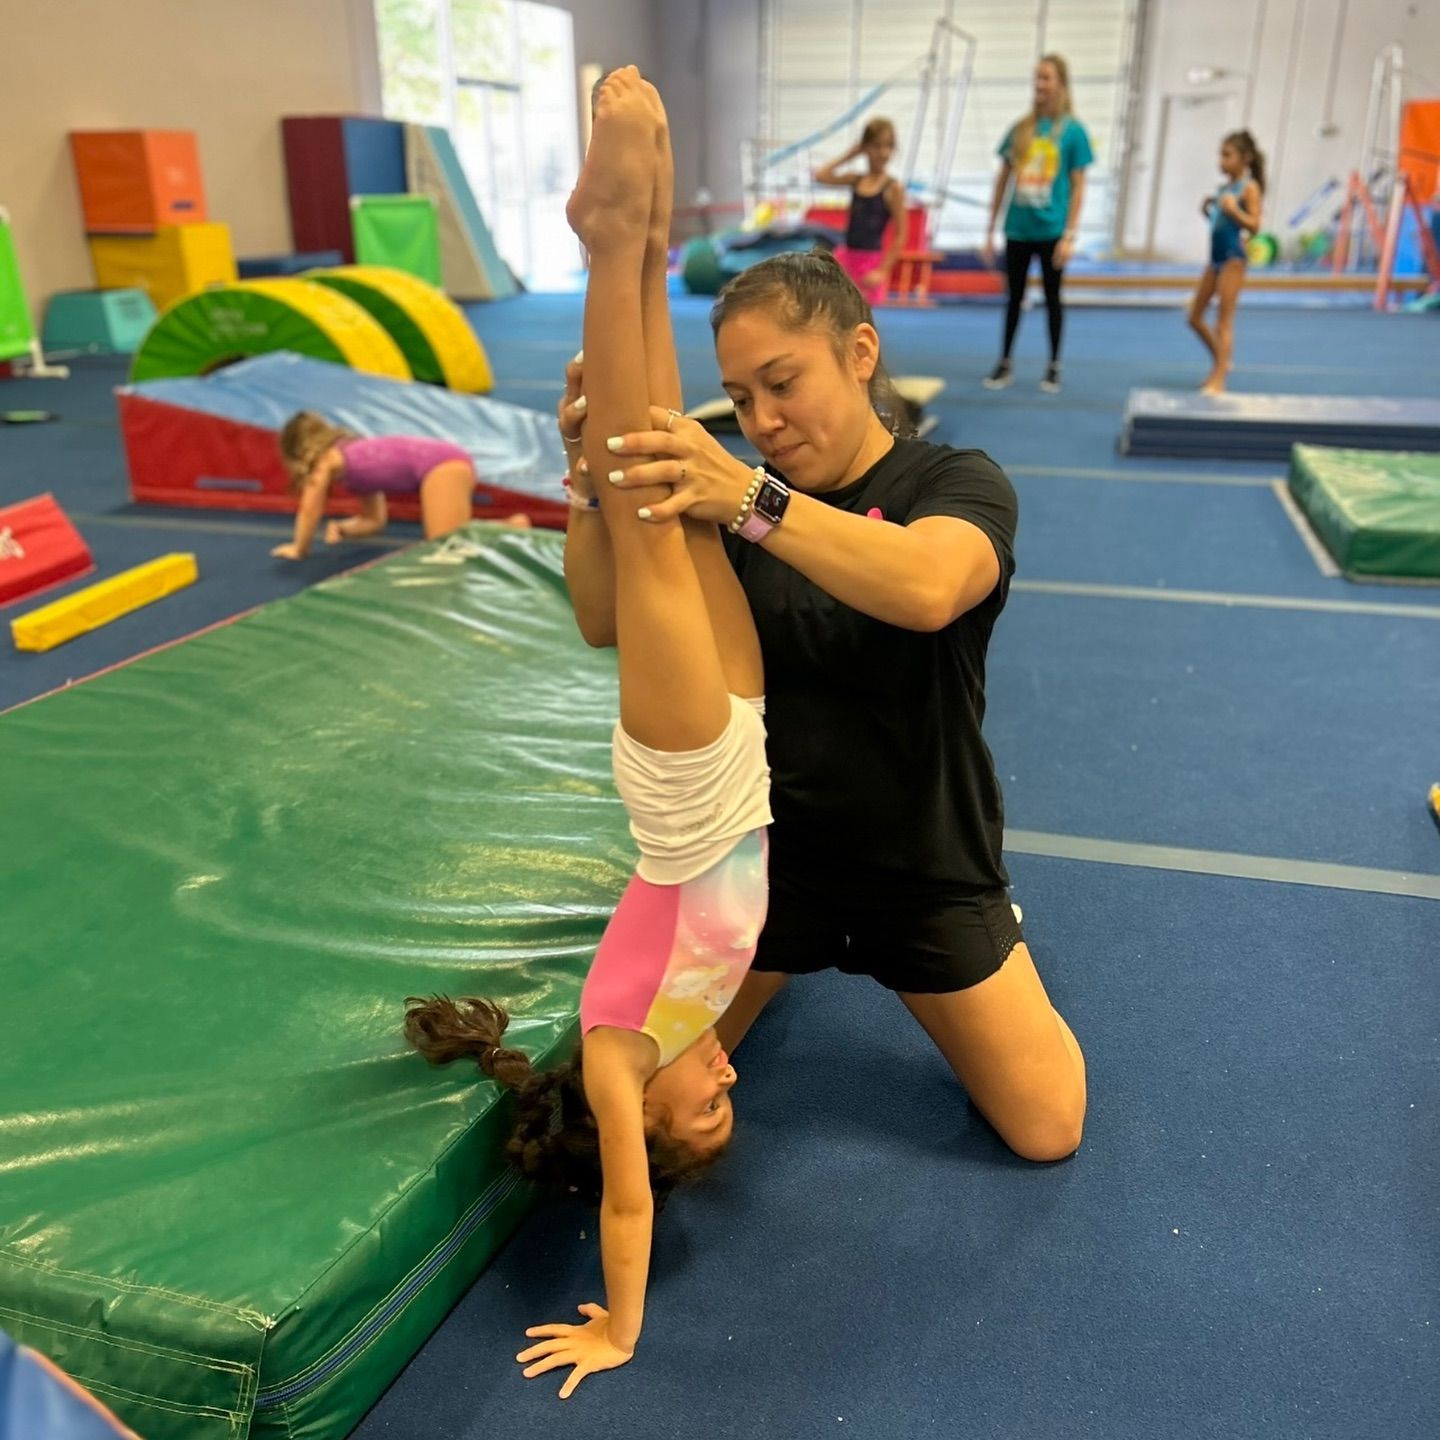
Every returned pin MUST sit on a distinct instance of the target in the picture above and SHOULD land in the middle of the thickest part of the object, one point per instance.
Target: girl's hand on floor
(333, 533)
(287, 551)
(587, 1347)
(707, 482)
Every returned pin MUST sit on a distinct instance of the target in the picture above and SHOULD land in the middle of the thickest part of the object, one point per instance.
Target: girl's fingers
(553, 1362)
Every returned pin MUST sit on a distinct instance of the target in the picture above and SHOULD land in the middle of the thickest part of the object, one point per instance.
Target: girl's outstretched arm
(313, 499)
(616, 1063)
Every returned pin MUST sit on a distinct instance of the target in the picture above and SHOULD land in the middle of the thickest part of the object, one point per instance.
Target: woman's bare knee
(1052, 1134)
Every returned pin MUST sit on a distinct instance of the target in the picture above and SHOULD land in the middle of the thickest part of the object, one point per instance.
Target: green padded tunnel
(226, 323)
(431, 330)
(1377, 511)
(234, 1203)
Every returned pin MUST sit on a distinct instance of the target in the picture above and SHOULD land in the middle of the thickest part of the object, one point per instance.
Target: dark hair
(875, 128)
(811, 291)
(1244, 142)
(554, 1141)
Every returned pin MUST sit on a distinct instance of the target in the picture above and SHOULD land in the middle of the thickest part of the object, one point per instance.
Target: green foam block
(1377, 511)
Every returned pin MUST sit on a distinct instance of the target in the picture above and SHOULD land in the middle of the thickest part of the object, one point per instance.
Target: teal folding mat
(232, 1202)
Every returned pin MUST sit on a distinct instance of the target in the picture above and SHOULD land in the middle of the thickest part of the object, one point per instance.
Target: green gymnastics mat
(1377, 511)
(233, 1202)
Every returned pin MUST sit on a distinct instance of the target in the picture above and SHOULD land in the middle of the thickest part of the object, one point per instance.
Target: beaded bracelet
(738, 523)
(579, 502)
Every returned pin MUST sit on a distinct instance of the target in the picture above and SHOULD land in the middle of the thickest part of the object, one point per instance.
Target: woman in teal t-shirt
(1046, 153)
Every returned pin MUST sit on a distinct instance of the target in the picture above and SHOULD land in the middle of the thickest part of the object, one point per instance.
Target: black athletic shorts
(910, 940)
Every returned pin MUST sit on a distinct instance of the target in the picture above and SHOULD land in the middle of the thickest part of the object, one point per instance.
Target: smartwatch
(767, 510)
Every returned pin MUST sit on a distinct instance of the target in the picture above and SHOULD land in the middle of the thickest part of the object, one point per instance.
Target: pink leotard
(394, 464)
(674, 956)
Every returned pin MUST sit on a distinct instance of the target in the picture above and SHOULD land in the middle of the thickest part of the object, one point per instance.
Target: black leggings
(1018, 254)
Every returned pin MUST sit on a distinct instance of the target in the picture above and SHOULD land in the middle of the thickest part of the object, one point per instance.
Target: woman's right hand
(987, 251)
(570, 416)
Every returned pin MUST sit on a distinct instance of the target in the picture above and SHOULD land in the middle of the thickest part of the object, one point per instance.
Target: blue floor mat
(1259, 731)
(1243, 1247)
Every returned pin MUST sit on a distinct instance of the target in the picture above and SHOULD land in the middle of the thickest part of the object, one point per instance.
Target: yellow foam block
(99, 604)
(175, 261)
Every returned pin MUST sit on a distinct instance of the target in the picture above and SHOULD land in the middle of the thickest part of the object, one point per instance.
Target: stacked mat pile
(235, 1204)
(1264, 427)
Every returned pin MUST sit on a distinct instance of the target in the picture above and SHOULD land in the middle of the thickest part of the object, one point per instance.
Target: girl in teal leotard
(1234, 214)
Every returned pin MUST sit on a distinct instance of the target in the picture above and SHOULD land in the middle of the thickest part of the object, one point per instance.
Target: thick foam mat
(1378, 512)
(234, 1202)
(1264, 427)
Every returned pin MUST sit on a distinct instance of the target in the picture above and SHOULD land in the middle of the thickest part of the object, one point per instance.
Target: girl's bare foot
(613, 196)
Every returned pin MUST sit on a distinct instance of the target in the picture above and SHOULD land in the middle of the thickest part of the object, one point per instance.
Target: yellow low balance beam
(99, 604)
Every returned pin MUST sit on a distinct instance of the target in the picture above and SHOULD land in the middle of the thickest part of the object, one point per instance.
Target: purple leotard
(394, 464)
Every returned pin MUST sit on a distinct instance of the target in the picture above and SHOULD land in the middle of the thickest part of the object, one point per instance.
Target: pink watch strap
(756, 527)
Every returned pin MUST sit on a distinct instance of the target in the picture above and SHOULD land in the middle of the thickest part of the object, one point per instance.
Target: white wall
(226, 70)
(1262, 44)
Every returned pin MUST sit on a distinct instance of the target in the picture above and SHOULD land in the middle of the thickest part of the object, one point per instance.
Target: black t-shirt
(876, 754)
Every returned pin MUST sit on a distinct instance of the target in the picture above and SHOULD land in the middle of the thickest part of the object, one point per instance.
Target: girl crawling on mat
(317, 454)
(645, 1102)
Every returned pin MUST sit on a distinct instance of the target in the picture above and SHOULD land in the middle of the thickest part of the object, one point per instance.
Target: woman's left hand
(707, 481)
(876, 278)
(1060, 256)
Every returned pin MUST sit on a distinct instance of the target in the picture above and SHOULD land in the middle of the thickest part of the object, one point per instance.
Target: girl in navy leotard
(1234, 213)
(877, 199)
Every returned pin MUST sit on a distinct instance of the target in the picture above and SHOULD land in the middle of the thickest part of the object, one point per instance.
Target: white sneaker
(1001, 377)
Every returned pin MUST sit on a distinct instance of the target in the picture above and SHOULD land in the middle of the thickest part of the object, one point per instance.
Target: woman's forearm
(882, 570)
(1077, 200)
(1002, 179)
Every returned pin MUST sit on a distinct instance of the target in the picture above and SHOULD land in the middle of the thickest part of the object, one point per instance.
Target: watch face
(772, 501)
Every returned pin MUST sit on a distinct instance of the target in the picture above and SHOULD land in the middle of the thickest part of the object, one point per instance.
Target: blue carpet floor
(1248, 1243)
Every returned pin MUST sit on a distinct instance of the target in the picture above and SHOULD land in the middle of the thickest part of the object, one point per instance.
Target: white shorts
(688, 808)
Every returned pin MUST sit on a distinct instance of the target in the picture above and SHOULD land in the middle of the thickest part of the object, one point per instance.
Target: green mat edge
(1362, 553)
(334, 1399)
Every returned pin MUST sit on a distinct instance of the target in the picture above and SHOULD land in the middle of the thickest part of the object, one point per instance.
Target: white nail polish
(615, 442)
(580, 406)
(579, 358)
(643, 512)
(616, 476)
